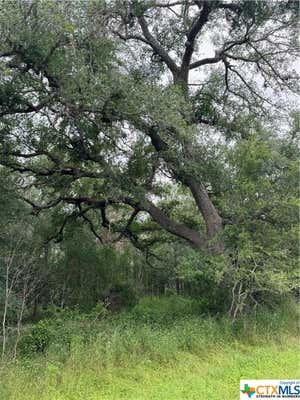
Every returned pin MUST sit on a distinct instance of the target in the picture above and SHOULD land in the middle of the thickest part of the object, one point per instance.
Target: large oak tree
(103, 103)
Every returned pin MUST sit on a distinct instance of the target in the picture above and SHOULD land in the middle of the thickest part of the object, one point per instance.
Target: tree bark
(213, 221)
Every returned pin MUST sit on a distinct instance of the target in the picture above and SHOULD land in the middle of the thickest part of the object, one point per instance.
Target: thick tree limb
(205, 61)
(156, 46)
(193, 33)
(155, 212)
(179, 230)
(210, 215)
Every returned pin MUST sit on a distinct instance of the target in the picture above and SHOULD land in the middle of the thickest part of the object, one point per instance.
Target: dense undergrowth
(161, 349)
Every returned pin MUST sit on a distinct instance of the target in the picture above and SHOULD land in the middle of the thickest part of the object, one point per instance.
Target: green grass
(191, 358)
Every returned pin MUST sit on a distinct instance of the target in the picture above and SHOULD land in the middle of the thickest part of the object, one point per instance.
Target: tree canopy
(113, 111)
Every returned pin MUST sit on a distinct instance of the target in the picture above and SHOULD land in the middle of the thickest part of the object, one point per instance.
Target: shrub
(164, 309)
(38, 339)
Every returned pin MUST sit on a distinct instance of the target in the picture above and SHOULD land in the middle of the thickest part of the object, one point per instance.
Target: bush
(56, 332)
(38, 339)
(164, 309)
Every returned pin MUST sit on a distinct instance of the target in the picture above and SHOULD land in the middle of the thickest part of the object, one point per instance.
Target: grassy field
(191, 358)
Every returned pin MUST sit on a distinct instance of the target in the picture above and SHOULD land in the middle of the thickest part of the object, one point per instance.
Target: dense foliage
(146, 148)
(133, 355)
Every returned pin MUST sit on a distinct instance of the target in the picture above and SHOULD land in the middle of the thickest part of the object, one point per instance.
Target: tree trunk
(213, 221)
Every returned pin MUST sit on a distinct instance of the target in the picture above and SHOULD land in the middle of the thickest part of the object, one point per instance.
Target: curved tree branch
(157, 47)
